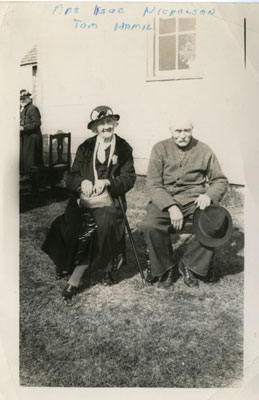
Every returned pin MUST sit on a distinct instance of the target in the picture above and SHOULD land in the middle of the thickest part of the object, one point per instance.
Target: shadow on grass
(228, 259)
(30, 200)
(131, 268)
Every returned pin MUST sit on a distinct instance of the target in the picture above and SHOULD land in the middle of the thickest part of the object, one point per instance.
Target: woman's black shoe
(69, 291)
(150, 279)
(107, 279)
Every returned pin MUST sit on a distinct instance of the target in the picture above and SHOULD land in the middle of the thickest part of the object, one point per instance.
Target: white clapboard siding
(86, 73)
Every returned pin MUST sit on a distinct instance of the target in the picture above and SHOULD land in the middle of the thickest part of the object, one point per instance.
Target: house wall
(26, 77)
(82, 69)
(30, 82)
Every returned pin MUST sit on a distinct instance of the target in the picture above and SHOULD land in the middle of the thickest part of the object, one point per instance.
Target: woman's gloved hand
(100, 185)
(87, 188)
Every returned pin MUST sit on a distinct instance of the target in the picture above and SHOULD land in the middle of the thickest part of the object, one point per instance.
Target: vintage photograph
(131, 191)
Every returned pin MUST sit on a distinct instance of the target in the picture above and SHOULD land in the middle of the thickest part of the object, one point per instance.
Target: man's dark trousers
(197, 258)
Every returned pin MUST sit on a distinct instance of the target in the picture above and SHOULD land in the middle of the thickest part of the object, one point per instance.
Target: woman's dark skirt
(73, 237)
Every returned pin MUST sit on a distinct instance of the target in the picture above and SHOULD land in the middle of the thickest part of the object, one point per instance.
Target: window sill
(179, 77)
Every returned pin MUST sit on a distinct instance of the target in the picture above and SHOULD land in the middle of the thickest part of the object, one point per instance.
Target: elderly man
(31, 149)
(183, 174)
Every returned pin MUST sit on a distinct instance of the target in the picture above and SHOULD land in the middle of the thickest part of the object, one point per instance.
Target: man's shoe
(166, 280)
(69, 291)
(107, 279)
(188, 276)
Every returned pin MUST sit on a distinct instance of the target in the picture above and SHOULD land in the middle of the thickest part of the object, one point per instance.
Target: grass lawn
(128, 335)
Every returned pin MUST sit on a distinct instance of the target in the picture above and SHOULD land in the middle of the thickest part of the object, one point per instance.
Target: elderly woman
(91, 231)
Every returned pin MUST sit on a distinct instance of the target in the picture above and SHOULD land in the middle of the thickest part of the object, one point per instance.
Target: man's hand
(202, 201)
(176, 217)
(100, 185)
(87, 187)
(21, 128)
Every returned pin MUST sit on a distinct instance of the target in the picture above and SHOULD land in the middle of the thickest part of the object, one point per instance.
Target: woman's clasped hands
(89, 190)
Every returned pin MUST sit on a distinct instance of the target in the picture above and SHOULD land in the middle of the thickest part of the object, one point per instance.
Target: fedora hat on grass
(99, 113)
(212, 226)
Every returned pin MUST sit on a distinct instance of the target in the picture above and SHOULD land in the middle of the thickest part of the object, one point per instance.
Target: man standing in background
(31, 149)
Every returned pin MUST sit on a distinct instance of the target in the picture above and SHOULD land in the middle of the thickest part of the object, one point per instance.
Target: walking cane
(131, 240)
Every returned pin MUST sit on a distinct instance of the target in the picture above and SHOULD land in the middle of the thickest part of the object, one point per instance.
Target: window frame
(153, 73)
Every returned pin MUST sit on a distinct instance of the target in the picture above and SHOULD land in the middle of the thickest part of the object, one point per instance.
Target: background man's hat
(24, 93)
(212, 226)
(100, 113)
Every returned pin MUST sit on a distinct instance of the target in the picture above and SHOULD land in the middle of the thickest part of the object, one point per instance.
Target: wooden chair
(59, 156)
(187, 228)
(59, 162)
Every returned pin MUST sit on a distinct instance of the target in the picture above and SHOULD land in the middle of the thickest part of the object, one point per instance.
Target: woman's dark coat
(62, 240)
(121, 175)
(31, 149)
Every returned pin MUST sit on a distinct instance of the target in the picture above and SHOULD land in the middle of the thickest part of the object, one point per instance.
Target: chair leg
(35, 181)
(52, 183)
(149, 278)
(123, 251)
(119, 260)
(211, 274)
(115, 269)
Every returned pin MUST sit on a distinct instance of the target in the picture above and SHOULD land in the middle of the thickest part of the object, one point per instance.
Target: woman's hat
(100, 113)
(24, 93)
(212, 226)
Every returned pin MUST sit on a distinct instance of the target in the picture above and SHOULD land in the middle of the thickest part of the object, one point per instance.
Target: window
(172, 49)
(34, 81)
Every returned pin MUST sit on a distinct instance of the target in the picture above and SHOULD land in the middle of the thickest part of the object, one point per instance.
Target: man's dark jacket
(30, 120)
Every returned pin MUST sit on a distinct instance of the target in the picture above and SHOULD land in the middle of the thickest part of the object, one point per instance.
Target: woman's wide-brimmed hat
(212, 226)
(24, 93)
(100, 113)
